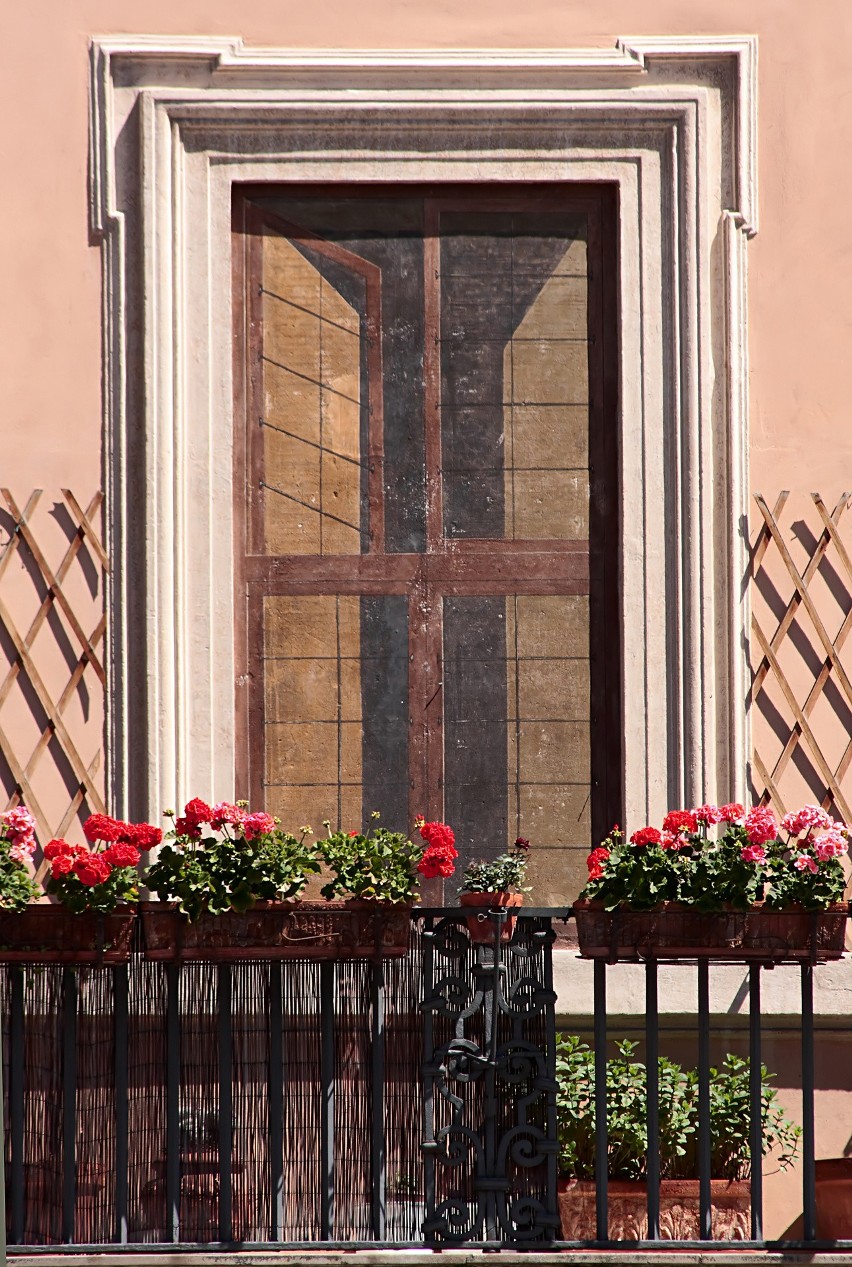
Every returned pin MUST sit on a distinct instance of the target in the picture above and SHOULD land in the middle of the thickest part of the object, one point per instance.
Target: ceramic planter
(679, 1210)
(278, 930)
(482, 927)
(834, 1198)
(48, 933)
(675, 931)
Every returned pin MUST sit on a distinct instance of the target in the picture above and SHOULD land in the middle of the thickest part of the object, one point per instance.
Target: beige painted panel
(300, 625)
(300, 690)
(301, 754)
(560, 309)
(552, 752)
(553, 625)
(556, 814)
(548, 435)
(551, 504)
(291, 403)
(555, 689)
(548, 372)
(291, 336)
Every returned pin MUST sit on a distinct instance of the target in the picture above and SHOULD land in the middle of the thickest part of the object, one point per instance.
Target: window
(426, 512)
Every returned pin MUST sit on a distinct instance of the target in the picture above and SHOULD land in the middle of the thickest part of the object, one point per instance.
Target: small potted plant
(375, 876)
(627, 1144)
(95, 887)
(718, 883)
(227, 879)
(492, 886)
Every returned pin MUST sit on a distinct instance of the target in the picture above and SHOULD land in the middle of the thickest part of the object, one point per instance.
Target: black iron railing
(352, 1103)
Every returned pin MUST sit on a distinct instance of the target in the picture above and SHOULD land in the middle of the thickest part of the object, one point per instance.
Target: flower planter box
(47, 933)
(482, 926)
(278, 930)
(674, 931)
(679, 1210)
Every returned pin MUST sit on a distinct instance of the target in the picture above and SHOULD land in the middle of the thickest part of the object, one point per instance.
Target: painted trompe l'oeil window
(426, 513)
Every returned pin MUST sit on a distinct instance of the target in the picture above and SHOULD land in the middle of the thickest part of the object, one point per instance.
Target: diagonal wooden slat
(829, 545)
(24, 543)
(816, 690)
(54, 588)
(815, 749)
(841, 675)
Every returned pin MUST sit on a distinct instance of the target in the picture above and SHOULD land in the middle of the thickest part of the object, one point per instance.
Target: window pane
(514, 375)
(517, 732)
(335, 673)
(313, 412)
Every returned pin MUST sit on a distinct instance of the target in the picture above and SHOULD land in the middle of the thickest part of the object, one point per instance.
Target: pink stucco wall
(801, 262)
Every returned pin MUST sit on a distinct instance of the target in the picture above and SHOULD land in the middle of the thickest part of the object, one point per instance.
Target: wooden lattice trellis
(808, 612)
(55, 613)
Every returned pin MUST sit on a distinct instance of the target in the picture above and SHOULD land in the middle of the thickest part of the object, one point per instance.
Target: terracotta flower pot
(834, 1198)
(675, 931)
(279, 930)
(49, 933)
(679, 1210)
(482, 926)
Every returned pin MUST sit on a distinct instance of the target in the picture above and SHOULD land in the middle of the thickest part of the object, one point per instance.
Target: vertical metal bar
(119, 994)
(652, 1056)
(428, 1078)
(3, 1247)
(601, 1131)
(705, 1213)
(173, 1100)
(226, 1116)
(490, 1020)
(808, 1166)
(17, 1090)
(327, 1105)
(551, 1202)
(276, 1101)
(755, 1086)
(69, 1103)
(377, 984)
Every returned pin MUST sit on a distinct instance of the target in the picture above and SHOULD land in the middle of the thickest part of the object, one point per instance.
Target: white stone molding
(175, 122)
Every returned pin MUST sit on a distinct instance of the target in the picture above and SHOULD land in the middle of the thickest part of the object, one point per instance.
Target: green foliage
(222, 873)
(678, 1116)
(791, 887)
(377, 864)
(504, 874)
(640, 878)
(121, 885)
(16, 886)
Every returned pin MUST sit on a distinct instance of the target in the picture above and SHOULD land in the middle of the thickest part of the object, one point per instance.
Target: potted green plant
(95, 887)
(493, 886)
(627, 1144)
(226, 880)
(374, 876)
(718, 883)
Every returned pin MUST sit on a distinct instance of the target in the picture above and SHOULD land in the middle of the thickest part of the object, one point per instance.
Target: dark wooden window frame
(448, 566)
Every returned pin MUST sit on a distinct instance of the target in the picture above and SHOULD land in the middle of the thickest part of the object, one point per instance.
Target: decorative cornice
(193, 67)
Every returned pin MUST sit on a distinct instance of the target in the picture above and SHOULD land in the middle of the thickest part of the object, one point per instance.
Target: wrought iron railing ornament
(489, 1085)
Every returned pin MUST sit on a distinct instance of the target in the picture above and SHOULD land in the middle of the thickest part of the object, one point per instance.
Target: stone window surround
(671, 121)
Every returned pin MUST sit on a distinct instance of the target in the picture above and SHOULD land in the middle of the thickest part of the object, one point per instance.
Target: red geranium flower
(678, 820)
(647, 836)
(121, 855)
(143, 835)
(92, 870)
(61, 866)
(57, 849)
(102, 827)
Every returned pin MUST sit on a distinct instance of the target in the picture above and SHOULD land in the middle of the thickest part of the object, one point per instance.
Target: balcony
(409, 1102)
